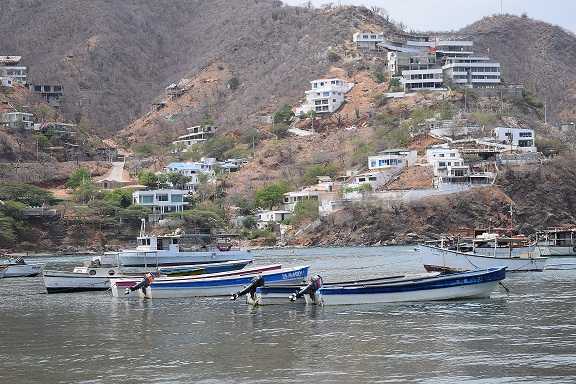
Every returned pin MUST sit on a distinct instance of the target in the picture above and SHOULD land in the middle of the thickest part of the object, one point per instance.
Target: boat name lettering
(291, 275)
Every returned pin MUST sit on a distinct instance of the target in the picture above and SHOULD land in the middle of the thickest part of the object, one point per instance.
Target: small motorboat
(408, 288)
(19, 268)
(216, 284)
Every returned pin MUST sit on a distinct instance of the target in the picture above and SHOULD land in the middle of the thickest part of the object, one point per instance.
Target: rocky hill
(115, 59)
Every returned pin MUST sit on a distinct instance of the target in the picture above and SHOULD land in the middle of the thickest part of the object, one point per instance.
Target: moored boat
(198, 286)
(439, 257)
(557, 241)
(168, 250)
(201, 269)
(3, 270)
(409, 288)
(19, 268)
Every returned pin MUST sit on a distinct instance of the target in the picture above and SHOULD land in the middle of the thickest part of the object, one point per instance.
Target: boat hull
(447, 260)
(133, 258)
(557, 250)
(24, 270)
(200, 269)
(221, 286)
(463, 285)
(118, 286)
(81, 279)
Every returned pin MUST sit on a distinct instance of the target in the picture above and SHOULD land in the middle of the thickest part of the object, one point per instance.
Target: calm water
(526, 336)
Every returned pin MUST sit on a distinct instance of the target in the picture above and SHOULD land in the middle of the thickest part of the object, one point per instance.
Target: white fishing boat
(168, 250)
(2, 270)
(19, 268)
(90, 277)
(557, 241)
(199, 286)
(443, 258)
(394, 289)
(93, 276)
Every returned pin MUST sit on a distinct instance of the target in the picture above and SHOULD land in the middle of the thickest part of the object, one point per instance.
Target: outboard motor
(257, 281)
(315, 284)
(145, 283)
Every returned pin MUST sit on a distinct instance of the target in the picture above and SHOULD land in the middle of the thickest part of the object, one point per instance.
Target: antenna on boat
(142, 227)
(511, 221)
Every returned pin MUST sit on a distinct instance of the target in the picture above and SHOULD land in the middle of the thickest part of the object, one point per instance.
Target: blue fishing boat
(408, 288)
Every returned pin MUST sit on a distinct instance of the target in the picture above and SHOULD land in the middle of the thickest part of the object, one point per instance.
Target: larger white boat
(557, 241)
(443, 258)
(165, 250)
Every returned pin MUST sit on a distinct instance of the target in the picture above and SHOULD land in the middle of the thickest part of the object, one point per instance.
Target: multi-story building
(9, 68)
(195, 135)
(17, 120)
(383, 166)
(368, 40)
(52, 94)
(161, 201)
(518, 138)
(325, 96)
(422, 61)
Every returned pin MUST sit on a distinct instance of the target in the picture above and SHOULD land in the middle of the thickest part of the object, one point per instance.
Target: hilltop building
(11, 72)
(325, 96)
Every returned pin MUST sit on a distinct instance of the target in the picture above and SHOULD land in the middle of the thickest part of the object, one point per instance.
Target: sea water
(524, 335)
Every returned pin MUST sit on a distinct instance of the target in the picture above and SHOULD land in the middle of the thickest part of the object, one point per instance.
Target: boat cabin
(160, 243)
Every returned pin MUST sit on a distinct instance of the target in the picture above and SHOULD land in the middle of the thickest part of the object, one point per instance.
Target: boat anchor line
(505, 288)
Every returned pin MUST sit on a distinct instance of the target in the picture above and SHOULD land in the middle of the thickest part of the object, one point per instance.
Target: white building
(197, 134)
(445, 161)
(473, 72)
(162, 202)
(326, 96)
(9, 68)
(518, 138)
(264, 218)
(384, 166)
(17, 120)
(368, 40)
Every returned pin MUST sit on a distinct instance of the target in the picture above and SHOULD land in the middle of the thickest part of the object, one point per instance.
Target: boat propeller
(257, 281)
(148, 278)
(315, 284)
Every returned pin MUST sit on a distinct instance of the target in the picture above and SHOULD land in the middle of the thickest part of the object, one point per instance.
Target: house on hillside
(325, 96)
(10, 69)
(197, 134)
(161, 201)
(368, 40)
(17, 120)
(422, 62)
(521, 139)
(384, 166)
(265, 218)
(53, 95)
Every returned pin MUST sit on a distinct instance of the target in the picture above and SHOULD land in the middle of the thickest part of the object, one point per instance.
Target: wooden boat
(201, 269)
(439, 257)
(215, 284)
(157, 251)
(93, 276)
(409, 288)
(19, 268)
(557, 241)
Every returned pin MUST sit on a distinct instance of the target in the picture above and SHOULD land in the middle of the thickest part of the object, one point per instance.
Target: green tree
(80, 176)
(149, 179)
(252, 137)
(25, 193)
(134, 214)
(271, 195)
(178, 180)
(245, 206)
(279, 130)
(216, 146)
(305, 211)
(8, 236)
(121, 198)
(249, 222)
(550, 147)
(311, 175)
(284, 115)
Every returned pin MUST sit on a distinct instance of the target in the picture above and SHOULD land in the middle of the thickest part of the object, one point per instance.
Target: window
(362, 179)
(146, 199)
(162, 197)
(177, 198)
(372, 163)
(452, 155)
(325, 94)
(372, 178)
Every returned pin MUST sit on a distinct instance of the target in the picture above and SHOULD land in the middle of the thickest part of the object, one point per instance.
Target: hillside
(115, 60)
